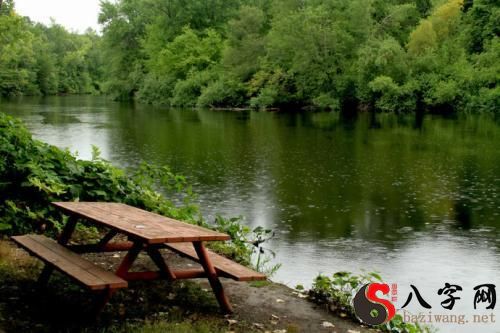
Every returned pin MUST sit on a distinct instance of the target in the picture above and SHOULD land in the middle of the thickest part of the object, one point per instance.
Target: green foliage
(17, 57)
(6, 7)
(182, 67)
(483, 24)
(36, 59)
(440, 55)
(424, 7)
(245, 43)
(389, 55)
(246, 243)
(338, 291)
(222, 92)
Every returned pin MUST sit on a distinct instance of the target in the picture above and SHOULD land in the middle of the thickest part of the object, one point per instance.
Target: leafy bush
(34, 174)
(326, 101)
(267, 97)
(222, 92)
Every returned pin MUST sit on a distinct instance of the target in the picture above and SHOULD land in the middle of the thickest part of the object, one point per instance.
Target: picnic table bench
(147, 232)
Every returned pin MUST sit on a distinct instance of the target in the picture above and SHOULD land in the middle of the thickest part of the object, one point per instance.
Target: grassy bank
(63, 307)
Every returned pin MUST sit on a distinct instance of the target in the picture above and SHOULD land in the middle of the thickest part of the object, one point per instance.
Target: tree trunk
(1, 1)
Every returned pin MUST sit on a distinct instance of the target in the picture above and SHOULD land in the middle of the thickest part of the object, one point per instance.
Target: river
(415, 199)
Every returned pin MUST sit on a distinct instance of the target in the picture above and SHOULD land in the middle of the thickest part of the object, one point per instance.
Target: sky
(75, 15)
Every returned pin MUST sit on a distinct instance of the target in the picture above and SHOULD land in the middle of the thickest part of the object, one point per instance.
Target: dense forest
(40, 60)
(385, 55)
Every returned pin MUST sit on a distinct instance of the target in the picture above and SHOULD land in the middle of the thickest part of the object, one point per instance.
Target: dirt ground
(264, 307)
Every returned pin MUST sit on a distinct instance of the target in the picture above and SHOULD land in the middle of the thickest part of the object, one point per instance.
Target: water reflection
(414, 197)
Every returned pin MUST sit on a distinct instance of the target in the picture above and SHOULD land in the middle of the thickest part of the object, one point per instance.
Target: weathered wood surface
(70, 263)
(150, 227)
(224, 266)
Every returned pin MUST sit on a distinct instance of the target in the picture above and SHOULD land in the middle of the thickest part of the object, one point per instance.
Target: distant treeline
(386, 55)
(40, 60)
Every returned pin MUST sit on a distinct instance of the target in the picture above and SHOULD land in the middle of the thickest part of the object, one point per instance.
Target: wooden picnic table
(147, 232)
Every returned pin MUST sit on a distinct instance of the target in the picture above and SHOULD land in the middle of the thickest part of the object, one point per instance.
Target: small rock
(231, 321)
(279, 300)
(259, 326)
(275, 317)
(171, 296)
(352, 331)
(327, 324)
(279, 331)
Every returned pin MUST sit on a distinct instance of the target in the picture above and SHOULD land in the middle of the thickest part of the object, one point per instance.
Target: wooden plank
(224, 266)
(150, 227)
(80, 269)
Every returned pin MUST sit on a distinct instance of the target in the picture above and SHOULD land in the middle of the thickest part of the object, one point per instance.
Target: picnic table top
(149, 227)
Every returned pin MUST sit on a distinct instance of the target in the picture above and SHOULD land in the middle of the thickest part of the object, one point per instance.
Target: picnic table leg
(105, 240)
(212, 277)
(44, 277)
(160, 262)
(100, 301)
(129, 260)
(65, 235)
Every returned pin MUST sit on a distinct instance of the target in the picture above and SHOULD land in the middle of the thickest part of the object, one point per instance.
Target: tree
(245, 43)
(424, 7)
(6, 7)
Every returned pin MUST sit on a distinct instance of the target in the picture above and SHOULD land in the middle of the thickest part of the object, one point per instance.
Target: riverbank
(157, 307)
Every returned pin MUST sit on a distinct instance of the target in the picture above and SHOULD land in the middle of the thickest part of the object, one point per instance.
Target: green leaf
(5, 227)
